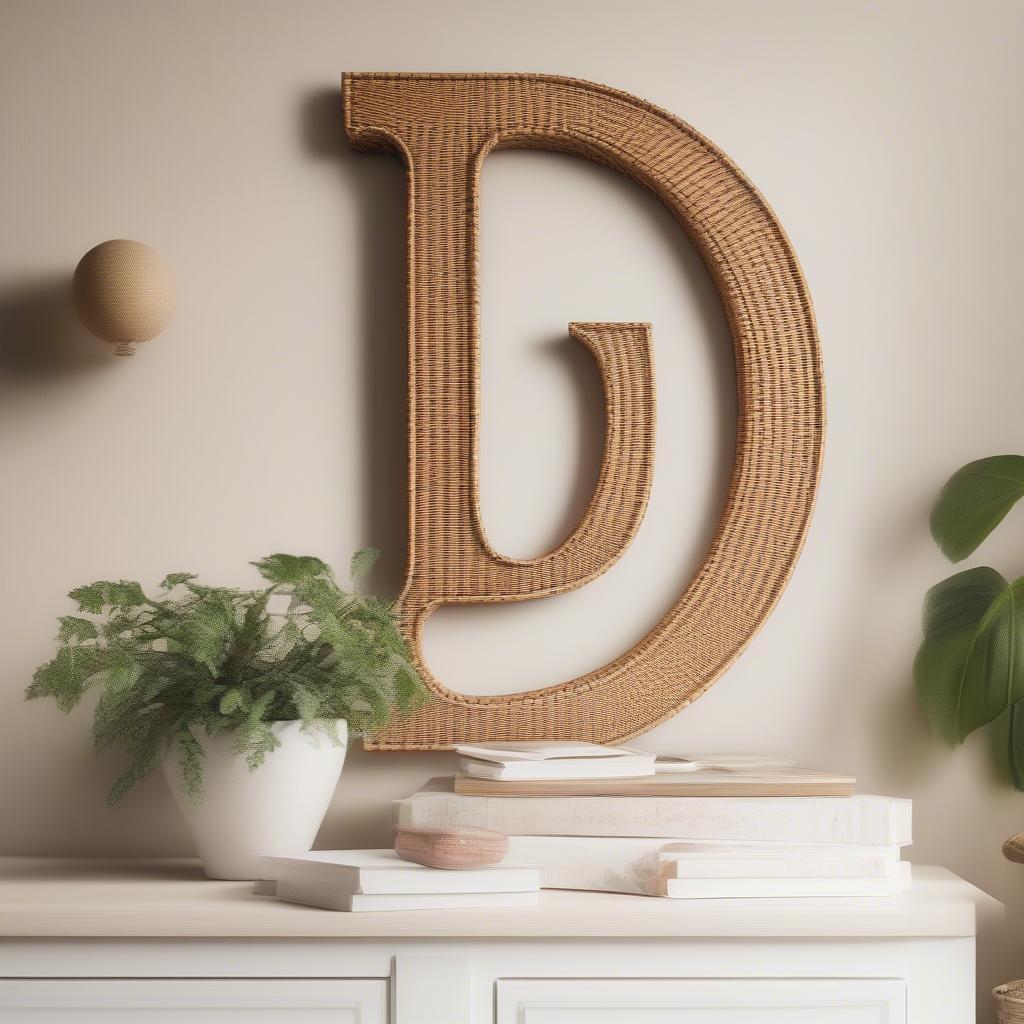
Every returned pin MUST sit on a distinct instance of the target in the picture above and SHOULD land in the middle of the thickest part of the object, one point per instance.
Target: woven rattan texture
(1010, 1003)
(124, 291)
(443, 126)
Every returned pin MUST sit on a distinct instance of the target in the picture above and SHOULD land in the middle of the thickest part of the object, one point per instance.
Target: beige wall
(269, 416)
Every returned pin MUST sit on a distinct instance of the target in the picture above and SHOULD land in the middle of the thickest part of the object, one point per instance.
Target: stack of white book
(362, 880)
(765, 829)
(694, 870)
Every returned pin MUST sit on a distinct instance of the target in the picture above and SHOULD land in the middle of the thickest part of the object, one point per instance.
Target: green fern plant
(195, 657)
(969, 670)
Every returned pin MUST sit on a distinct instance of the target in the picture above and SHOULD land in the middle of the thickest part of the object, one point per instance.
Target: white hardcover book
(383, 872)
(542, 750)
(569, 768)
(778, 860)
(854, 819)
(595, 863)
(300, 890)
(782, 888)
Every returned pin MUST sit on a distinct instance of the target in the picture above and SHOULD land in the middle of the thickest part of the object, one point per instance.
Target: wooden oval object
(124, 292)
(439, 847)
(1013, 848)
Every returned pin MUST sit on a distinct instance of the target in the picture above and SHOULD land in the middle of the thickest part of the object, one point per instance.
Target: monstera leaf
(974, 502)
(970, 667)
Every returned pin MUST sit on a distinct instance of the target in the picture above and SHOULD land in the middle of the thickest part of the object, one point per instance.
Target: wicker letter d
(443, 126)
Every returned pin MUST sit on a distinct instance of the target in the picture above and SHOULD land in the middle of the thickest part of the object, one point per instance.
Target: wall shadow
(905, 752)
(377, 183)
(578, 366)
(42, 341)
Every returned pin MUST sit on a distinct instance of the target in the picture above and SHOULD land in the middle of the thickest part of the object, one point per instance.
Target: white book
(383, 872)
(788, 782)
(542, 750)
(592, 863)
(636, 865)
(782, 888)
(300, 890)
(568, 768)
(855, 819)
(778, 860)
(670, 765)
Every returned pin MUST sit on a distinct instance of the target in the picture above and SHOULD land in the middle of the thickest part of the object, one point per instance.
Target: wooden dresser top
(51, 898)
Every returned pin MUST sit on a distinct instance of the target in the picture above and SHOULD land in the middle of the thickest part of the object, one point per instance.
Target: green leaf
(74, 628)
(110, 593)
(1015, 745)
(191, 766)
(253, 629)
(970, 667)
(125, 594)
(116, 719)
(174, 579)
(324, 598)
(146, 748)
(974, 502)
(65, 676)
(289, 635)
(205, 696)
(289, 570)
(90, 598)
(204, 633)
(261, 742)
(255, 738)
(362, 562)
(409, 691)
(345, 642)
(233, 701)
(307, 704)
(153, 686)
(130, 777)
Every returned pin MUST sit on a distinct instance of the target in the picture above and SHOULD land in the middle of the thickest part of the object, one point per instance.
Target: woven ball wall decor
(124, 293)
(443, 126)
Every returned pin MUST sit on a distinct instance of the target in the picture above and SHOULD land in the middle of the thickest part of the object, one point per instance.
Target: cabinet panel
(701, 1001)
(193, 1001)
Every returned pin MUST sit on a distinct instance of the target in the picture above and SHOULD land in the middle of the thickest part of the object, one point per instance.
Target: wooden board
(453, 848)
(775, 782)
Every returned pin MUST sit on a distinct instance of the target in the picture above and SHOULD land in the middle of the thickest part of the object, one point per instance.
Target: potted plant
(248, 709)
(969, 670)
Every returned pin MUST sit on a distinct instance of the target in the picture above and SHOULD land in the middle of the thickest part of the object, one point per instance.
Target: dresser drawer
(701, 1001)
(193, 1001)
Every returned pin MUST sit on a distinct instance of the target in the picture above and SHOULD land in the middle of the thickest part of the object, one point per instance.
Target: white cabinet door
(193, 1001)
(701, 1001)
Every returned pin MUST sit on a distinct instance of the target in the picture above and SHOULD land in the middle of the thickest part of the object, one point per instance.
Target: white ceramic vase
(273, 811)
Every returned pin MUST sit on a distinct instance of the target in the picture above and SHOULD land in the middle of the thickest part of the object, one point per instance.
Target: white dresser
(84, 942)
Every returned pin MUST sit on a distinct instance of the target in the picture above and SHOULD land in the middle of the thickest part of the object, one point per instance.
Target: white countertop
(52, 898)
